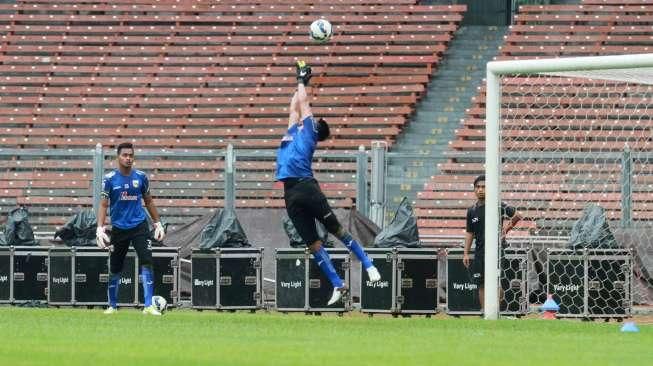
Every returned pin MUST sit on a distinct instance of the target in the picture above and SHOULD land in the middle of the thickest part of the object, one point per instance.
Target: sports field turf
(87, 337)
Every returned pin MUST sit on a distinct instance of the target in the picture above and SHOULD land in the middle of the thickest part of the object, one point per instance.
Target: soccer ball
(160, 303)
(321, 31)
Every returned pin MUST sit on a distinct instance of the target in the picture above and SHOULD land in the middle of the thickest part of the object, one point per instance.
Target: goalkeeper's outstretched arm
(304, 104)
(294, 114)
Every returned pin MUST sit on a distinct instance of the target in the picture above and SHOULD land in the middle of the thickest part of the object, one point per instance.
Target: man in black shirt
(476, 230)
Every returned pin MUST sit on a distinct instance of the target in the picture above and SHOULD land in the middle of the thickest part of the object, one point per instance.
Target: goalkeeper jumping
(124, 188)
(304, 199)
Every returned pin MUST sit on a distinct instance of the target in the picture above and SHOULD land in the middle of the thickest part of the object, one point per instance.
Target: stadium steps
(438, 114)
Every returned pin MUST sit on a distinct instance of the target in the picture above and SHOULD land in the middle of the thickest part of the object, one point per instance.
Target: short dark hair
(124, 145)
(480, 178)
(322, 130)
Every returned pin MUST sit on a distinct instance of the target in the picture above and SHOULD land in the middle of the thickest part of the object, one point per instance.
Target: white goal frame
(495, 70)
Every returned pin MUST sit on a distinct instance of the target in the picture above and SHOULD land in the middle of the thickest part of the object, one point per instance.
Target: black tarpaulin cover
(592, 230)
(79, 230)
(402, 230)
(223, 231)
(18, 231)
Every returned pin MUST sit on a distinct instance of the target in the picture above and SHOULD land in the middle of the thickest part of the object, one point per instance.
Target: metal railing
(65, 178)
(53, 183)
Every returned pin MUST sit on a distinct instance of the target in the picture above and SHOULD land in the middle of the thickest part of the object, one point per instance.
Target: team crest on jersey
(135, 183)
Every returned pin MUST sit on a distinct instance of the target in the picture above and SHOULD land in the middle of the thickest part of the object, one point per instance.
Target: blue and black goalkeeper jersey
(125, 194)
(295, 155)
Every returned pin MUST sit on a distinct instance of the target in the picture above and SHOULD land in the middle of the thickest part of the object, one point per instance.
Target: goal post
(603, 73)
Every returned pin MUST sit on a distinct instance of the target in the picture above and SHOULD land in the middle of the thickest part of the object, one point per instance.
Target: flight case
(301, 285)
(409, 281)
(591, 283)
(226, 278)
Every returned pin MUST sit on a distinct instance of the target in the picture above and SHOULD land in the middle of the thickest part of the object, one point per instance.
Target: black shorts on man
(138, 237)
(305, 203)
(478, 267)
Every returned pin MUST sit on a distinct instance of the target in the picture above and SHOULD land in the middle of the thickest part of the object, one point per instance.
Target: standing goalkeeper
(475, 230)
(304, 199)
(124, 188)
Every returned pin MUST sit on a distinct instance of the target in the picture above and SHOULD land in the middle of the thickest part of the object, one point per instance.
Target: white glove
(101, 237)
(159, 233)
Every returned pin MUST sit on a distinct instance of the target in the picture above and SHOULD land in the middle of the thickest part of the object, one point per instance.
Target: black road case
(78, 276)
(204, 273)
(417, 290)
(409, 281)
(514, 281)
(165, 265)
(301, 285)
(462, 292)
(91, 274)
(381, 296)
(591, 283)
(60, 276)
(6, 277)
(226, 278)
(30, 274)
(128, 291)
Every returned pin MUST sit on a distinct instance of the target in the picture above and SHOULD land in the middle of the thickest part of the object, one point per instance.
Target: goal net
(568, 143)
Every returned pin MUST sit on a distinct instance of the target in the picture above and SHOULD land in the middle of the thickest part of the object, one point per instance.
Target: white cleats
(151, 310)
(110, 310)
(373, 274)
(337, 295)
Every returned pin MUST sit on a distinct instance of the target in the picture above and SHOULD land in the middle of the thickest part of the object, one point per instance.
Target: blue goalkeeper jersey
(295, 154)
(125, 194)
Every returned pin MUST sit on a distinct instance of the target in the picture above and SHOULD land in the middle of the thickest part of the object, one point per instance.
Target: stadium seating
(53, 188)
(171, 58)
(593, 28)
(199, 75)
(553, 193)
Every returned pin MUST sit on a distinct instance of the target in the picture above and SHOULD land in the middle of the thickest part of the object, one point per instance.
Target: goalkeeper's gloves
(101, 237)
(303, 73)
(159, 231)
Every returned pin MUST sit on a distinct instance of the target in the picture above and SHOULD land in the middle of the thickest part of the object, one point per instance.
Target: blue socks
(148, 285)
(357, 249)
(114, 283)
(323, 261)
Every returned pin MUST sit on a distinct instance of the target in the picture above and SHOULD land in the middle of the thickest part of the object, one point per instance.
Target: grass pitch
(87, 337)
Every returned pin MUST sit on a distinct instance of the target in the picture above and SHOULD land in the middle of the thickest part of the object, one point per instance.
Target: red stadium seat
(200, 75)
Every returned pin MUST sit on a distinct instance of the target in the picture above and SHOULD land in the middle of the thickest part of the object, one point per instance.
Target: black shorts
(138, 237)
(306, 203)
(478, 268)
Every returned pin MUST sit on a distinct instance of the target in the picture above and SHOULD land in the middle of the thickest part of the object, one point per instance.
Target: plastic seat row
(556, 114)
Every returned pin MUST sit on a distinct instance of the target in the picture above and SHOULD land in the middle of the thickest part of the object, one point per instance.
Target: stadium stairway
(438, 114)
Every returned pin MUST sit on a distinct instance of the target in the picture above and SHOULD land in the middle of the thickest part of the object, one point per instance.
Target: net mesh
(575, 151)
